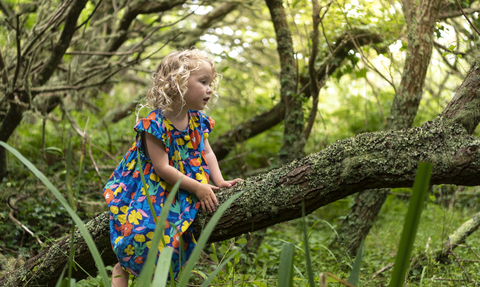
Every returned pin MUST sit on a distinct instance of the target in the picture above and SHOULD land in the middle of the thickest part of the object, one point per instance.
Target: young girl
(172, 143)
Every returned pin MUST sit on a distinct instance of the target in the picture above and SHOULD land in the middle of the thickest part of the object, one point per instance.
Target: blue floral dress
(131, 220)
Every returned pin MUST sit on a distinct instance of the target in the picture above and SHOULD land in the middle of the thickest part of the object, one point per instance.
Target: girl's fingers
(214, 187)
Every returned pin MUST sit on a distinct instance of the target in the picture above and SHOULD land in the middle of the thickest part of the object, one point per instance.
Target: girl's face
(199, 90)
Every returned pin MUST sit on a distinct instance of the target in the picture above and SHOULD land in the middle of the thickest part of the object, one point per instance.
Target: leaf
(361, 74)
(451, 47)
(285, 269)
(161, 273)
(185, 275)
(81, 226)
(307, 248)
(214, 258)
(459, 56)
(355, 273)
(415, 208)
(241, 241)
(224, 69)
(54, 150)
(145, 276)
(210, 278)
(444, 54)
(259, 283)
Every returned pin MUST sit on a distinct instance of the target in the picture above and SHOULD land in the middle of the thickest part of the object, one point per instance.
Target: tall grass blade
(68, 185)
(210, 278)
(355, 273)
(163, 266)
(307, 248)
(144, 183)
(285, 269)
(412, 219)
(146, 275)
(81, 226)
(185, 275)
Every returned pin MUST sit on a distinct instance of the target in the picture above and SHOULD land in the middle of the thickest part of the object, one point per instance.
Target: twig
(468, 246)
(375, 93)
(461, 266)
(93, 160)
(56, 15)
(340, 279)
(3, 71)
(90, 16)
(448, 50)
(382, 270)
(363, 58)
(101, 53)
(20, 224)
(314, 86)
(468, 19)
(104, 151)
(19, 53)
(446, 279)
(323, 28)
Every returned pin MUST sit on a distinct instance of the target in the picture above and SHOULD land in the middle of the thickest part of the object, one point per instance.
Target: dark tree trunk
(293, 140)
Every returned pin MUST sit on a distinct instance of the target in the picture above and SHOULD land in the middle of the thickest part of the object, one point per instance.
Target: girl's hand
(229, 183)
(207, 198)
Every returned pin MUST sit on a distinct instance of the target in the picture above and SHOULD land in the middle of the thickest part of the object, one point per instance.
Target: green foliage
(422, 181)
(244, 48)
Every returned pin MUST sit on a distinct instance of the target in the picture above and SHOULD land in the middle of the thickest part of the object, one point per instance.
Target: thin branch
(314, 86)
(375, 93)
(323, 28)
(90, 16)
(457, 13)
(5, 9)
(93, 159)
(19, 53)
(448, 50)
(3, 69)
(468, 19)
(56, 15)
(101, 53)
(461, 266)
(363, 57)
(10, 215)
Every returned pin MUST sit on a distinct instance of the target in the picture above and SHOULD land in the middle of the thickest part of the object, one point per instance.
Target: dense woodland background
(367, 88)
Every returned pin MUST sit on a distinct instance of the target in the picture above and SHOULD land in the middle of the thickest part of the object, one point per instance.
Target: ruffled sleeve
(207, 125)
(153, 124)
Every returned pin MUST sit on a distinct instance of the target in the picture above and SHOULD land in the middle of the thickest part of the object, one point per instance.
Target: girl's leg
(119, 277)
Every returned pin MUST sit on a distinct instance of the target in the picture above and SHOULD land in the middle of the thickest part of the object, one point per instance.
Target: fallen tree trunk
(371, 160)
(366, 161)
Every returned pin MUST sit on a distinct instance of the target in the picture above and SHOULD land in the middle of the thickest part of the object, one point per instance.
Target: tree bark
(371, 160)
(293, 140)
(421, 20)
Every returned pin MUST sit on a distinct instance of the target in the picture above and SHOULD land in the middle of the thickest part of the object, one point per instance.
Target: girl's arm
(156, 151)
(215, 173)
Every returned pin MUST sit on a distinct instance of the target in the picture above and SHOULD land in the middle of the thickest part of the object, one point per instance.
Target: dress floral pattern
(131, 220)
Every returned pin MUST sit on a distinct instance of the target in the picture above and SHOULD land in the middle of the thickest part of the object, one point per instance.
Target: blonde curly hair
(171, 77)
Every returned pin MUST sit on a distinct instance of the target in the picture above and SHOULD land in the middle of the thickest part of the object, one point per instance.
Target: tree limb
(457, 13)
(371, 160)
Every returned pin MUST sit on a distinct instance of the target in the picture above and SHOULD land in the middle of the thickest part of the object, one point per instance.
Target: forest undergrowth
(446, 208)
(31, 218)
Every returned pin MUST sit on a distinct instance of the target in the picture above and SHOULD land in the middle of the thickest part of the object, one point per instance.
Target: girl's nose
(209, 90)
